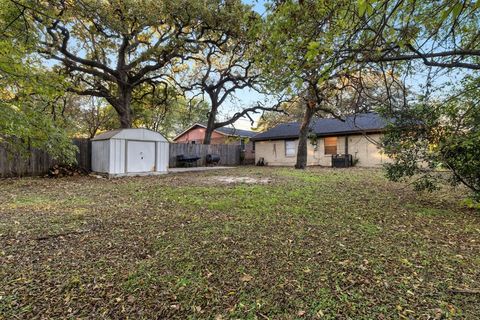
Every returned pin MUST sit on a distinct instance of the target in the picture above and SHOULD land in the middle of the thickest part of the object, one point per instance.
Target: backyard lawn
(244, 243)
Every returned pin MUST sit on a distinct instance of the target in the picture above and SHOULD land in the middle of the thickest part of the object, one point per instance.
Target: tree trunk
(210, 125)
(303, 136)
(123, 107)
(125, 119)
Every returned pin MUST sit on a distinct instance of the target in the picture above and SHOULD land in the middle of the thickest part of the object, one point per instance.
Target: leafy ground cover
(320, 243)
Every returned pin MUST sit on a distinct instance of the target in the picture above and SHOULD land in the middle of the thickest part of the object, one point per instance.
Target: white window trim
(286, 149)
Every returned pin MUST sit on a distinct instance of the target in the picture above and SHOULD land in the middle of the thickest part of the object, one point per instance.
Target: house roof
(359, 123)
(224, 130)
(131, 134)
(236, 132)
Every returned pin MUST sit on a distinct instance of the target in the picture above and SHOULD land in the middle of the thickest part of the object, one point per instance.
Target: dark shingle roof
(365, 122)
(236, 132)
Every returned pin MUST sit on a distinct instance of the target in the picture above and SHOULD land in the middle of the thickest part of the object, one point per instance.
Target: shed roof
(359, 123)
(131, 134)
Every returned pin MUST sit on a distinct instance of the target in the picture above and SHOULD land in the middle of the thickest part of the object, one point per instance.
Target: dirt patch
(234, 180)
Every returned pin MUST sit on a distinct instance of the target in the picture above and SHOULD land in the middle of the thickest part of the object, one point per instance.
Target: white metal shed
(129, 152)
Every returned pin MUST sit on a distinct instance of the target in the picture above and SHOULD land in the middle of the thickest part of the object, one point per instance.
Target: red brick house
(196, 133)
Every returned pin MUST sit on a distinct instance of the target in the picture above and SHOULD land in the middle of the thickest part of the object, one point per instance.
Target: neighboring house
(357, 135)
(196, 133)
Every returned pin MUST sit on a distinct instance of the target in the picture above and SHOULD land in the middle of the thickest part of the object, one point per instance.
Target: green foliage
(446, 29)
(168, 111)
(301, 41)
(114, 49)
(437, 142)
(27, 94)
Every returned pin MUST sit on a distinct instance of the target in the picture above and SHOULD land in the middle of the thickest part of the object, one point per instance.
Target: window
(330, 145)
(242, 144)
(289, 148)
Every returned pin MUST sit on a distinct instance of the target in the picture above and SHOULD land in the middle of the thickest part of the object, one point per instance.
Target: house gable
(196, 132)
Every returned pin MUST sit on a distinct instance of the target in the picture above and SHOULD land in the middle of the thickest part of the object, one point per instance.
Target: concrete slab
(193, 169)
(130, 174)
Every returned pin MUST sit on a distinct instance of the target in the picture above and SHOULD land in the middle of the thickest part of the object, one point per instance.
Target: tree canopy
(112, 49)
(437, 141)
(29, 94)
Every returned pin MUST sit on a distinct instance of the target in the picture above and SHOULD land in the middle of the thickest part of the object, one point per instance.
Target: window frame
(325, 146)
(294, 149)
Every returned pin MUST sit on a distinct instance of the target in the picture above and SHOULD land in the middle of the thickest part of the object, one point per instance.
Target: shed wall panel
(100, 156)
(162, 156)
(149, 151)
(117, 156)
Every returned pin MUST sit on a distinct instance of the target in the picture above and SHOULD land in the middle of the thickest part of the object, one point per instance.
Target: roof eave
(275, 138)
(343, 133)
(326, 134)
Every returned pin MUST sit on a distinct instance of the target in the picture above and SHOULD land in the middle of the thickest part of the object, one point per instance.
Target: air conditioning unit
(342, 160)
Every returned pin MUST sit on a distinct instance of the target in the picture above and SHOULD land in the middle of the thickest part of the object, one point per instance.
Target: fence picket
(229, 154)
(37, 162)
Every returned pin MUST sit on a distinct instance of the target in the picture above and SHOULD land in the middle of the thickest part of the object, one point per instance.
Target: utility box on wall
(130, 152)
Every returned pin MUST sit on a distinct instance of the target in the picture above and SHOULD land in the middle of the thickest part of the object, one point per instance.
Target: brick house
(196, 133)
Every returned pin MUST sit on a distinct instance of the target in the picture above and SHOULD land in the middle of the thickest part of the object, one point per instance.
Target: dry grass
(322, 243)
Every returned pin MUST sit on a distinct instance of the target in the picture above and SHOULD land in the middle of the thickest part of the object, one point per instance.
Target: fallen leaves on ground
(319, 243)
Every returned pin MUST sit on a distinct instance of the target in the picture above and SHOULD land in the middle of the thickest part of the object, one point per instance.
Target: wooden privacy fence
(37, 162)
(229, 154)
(84, 154)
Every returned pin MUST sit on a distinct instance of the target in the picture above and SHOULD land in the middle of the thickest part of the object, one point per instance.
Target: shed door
(140, 156)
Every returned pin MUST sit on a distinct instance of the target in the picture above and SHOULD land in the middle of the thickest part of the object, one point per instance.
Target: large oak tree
(218, 73)
(109, 49)
(306, 53)
(435, 137)
(316, 45)
(223, 70)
